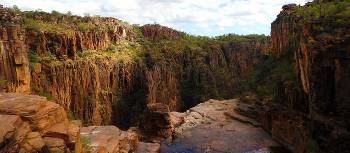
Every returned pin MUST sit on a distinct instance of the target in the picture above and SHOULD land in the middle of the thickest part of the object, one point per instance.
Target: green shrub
(56, 13)
(33, 57)
(105, 91)
(3, 83)
(46, 94)
(15, 9)
(86, 142)
(71, 116)
(324, 10)
(269, 75)
(82, 26)
(46, 26)
(111, 48)
(312, 146)
(49, 56)
(36, 89)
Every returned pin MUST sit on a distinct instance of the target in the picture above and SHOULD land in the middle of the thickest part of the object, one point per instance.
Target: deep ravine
(97, 84)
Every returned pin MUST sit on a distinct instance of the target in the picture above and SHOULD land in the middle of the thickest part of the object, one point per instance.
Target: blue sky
(198, 17)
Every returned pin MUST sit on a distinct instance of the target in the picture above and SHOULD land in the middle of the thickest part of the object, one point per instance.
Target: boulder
(156, 123)
(12, 133)
(148, 148)
(33, 124)
(33, 142)
(107, 139)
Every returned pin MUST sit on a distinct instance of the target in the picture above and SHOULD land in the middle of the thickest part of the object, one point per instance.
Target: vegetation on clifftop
(161, 64)
(269, 75)
(64, 23)
(272, 76)
(323, 10)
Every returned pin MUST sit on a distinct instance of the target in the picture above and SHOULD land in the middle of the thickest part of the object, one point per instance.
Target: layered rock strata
(63, 57)
(156, 125)
(14, 65)
(313, 116)
(214, 126)
(33, 124)
(108, 139)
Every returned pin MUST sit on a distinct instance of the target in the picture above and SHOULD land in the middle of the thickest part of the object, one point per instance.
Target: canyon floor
(215, 127)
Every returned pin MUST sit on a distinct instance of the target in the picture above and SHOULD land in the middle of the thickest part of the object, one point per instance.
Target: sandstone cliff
(14, 74)
(310, 113)
(33, 124)
(105, 71)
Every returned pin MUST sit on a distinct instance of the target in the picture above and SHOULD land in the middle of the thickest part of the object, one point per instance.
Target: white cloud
(201, 15)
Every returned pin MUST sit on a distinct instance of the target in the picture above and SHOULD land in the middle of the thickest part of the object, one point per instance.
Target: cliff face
(283, 31)
(105, 72)
(85, 87)
(14, 74)
(68, 44)
(321, 59)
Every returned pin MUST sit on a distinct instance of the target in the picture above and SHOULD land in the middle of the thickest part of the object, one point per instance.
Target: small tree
(15, 9)
(56, 13)
(69, 13)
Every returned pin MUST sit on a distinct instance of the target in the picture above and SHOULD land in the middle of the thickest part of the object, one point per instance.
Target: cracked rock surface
(215, 127)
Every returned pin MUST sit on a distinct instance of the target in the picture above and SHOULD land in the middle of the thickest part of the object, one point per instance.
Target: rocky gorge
(107, 86)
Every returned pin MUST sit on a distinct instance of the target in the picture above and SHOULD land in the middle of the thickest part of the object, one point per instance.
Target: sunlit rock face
(33, 124)
(106, 72)
(14, 72)
(108, 139)
(215, 126)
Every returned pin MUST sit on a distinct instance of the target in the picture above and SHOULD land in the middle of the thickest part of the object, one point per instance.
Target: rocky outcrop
(61, 45)
(157, 32)
(14, 65)
(14, 132)
(241, 56)
(49, 54)
(33, 124)
(162, 87)
(321, 49)
(108, 139)
(155, 125)
(283, 34)
(288, 127)
(214, 126)
(148, 148)
(87, 88)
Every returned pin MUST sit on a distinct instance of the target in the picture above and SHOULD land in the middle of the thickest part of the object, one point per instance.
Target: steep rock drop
(215, 126)
(309, 108)
(108, 74)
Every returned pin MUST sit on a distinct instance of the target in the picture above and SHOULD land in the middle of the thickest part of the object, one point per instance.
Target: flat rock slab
(215, 127)
(107, 139)
(148, 148)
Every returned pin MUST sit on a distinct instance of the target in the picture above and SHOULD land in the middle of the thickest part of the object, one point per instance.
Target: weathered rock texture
(101, 90)
(283, 33)
(156, 123)
(14, 65)
(214, 126)
(317, 120)
(33, 124)
(108, 139)
(86, 87)
(156, 32)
